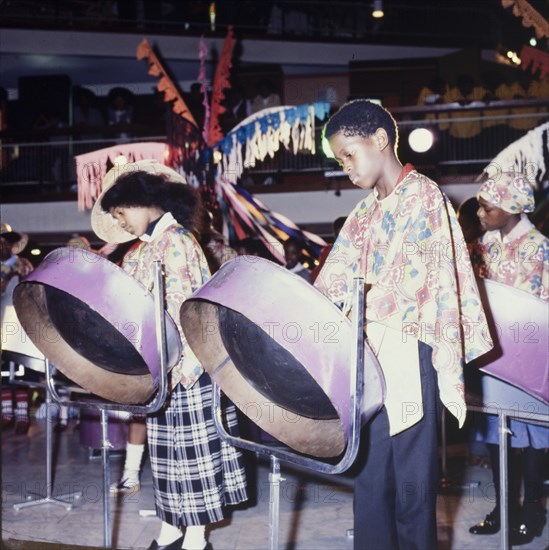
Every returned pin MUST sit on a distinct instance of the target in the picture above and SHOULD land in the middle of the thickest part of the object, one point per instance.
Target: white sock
(64, 414)
(168, 533)
(132, 465)
(22, 410)
(194, 537)
(7, 408)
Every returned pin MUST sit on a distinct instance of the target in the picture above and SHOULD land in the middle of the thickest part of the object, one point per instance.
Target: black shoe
(527, 531)
(488, 526)
(175, 545)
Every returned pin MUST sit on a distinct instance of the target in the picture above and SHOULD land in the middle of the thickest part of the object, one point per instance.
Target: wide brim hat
(18, 240)
(103, 224)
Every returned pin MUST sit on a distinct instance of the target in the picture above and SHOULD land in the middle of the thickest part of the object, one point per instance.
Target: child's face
(491, 217)
(134, 219)
(359, 157)
(292, 255)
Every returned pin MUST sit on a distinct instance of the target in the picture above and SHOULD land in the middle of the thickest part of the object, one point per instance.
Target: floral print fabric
(514, 196)
(520, 260)
(411, 252)
(185, 271)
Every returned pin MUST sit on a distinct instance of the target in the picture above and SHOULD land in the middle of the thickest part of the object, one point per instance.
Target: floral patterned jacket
(185, 271)
(520, 260)
(410, 249)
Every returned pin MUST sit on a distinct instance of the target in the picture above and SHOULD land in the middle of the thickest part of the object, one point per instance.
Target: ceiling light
(420, 140)
(377, 11)
(533, 42)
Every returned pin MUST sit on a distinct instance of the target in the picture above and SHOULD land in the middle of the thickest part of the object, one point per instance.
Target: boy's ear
(382, 139)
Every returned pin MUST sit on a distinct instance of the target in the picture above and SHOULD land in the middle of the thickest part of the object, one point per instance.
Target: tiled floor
(315, 510)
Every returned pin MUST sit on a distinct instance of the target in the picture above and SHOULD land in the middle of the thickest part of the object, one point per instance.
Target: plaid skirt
(195, 473)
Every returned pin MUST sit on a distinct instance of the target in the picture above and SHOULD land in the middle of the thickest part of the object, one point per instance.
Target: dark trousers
(396, 486)
(532, 465)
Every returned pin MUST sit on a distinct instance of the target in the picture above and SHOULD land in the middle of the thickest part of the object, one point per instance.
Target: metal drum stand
(277, 454)
(104, 408)
(48, 498)
(507, 401)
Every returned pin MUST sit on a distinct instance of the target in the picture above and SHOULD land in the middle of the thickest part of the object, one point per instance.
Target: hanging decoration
(530, 17)
(536, 60)
(528, 155)
(165, 84)
(191, 150)
(248, 216)
(92, 167)
(202, 54)
(221, 82)
(262, 134)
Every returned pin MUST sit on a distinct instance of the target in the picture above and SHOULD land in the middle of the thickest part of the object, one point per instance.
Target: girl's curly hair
(142, 188)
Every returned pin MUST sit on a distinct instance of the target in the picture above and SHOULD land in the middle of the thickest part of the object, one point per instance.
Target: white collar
(522, 227)
(163, 223)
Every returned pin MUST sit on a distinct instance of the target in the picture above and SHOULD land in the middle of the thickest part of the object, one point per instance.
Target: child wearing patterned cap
(515, 253)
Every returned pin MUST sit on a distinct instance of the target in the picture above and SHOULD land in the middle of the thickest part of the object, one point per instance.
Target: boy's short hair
(361, 117)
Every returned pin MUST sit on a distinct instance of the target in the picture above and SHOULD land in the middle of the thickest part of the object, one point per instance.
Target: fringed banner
(202, 53)
(536, 60)
(220, 83)
(92, 167)
(530, 16)
(250, 217)
(262, 134)
(165, 84)
(526, 155)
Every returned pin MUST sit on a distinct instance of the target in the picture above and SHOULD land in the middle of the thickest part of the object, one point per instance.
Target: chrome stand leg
(504, 431)
(49, 498)
(105, 448)
(274, 503)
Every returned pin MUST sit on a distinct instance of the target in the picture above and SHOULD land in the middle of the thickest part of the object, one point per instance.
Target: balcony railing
(466, 139)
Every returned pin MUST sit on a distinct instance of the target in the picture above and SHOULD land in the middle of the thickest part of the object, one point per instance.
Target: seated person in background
(120, 112)
(468, 220)
(293, 254)
(238, 108)
(266, 96)
(86, 114)
(336, 228)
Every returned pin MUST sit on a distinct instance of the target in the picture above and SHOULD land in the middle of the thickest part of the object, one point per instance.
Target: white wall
(303, 208)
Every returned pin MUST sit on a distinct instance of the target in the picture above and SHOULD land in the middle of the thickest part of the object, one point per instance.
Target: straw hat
(79, 241)
(104, 225)
(18, 241)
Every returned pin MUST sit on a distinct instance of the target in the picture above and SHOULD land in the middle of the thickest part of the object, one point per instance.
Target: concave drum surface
(96, 324)
(281, 352)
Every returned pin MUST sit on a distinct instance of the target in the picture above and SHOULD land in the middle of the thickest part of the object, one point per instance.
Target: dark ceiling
(454, 23)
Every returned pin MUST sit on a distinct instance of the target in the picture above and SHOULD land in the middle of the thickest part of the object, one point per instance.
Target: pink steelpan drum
(281, 352)
(519, 325)
(96, 324)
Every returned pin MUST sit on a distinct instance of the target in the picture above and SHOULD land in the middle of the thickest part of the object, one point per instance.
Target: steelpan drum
(16, 344)
(96, 324)
(519, 325)
(282, 352)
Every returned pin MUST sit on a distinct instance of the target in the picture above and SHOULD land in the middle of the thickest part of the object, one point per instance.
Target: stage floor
(315, 510)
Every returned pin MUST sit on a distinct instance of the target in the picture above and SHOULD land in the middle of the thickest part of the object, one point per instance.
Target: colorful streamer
(262, 134)
(221, 82)
(165, 84)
